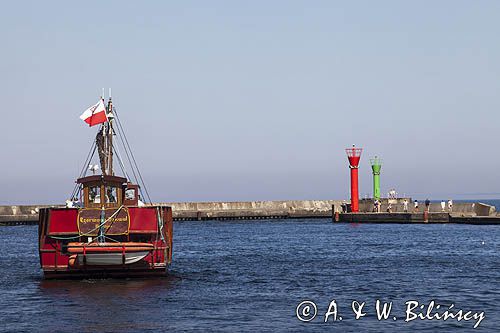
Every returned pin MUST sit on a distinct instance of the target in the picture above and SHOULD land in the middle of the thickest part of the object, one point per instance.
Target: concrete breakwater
(459, 208)
(412, 218)
(462, 212)
(20, 214)
(307, 209)
(252, 210)
(183, 211)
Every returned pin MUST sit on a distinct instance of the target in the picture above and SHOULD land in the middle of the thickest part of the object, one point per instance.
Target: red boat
(106, 230)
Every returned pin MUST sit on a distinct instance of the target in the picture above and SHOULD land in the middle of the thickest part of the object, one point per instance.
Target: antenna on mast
(102, 96)
(109, 93)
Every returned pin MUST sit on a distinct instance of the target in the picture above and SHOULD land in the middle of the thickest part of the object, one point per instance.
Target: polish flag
(96, 114)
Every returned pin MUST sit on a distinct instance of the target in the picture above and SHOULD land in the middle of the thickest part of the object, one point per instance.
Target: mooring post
(335, 214)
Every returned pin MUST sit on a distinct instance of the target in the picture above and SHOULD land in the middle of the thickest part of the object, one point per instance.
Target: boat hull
(104, 273)
(144, 250)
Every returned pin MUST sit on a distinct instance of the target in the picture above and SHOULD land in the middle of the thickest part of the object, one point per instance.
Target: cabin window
(130, 194)
(94, 195)
(111, 194)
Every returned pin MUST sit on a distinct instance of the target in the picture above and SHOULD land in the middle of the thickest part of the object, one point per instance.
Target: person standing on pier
(450, 205)
(416, 206)
(427, 205)
(443, 205)
(405, 205)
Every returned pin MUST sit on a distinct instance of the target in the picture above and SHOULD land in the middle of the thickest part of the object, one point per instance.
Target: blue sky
(255, 100)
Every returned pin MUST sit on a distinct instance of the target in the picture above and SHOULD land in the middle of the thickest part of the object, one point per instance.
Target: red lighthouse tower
(354, 155)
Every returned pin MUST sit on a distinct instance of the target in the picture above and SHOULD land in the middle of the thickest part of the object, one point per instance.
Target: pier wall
(460, 208)
(21, 214)
(205, 210)
(248, 210)
(394, 218)
(253, 209)
(413, 218)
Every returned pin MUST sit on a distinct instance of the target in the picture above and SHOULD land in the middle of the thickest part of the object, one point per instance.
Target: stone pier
(256, 210)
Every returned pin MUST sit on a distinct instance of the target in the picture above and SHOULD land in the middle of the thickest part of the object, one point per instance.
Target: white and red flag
(96, 114)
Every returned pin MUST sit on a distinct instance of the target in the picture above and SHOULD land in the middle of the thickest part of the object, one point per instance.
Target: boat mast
(109, 140)
(104, 141)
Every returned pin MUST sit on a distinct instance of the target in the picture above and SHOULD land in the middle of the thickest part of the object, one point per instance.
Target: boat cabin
(108, 191)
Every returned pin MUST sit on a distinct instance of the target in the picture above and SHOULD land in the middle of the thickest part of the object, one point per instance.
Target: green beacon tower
(376, 166)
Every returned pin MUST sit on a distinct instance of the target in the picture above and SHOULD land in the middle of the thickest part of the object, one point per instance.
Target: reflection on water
(95, 287)
(109, 303)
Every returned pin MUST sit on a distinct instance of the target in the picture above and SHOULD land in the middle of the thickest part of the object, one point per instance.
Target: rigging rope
(122, 166)
(90, 155)
(132, 154)
(127, 154)
(136, 180)
(130, 157)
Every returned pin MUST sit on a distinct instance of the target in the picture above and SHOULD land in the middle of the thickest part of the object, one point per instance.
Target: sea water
(271, 275)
